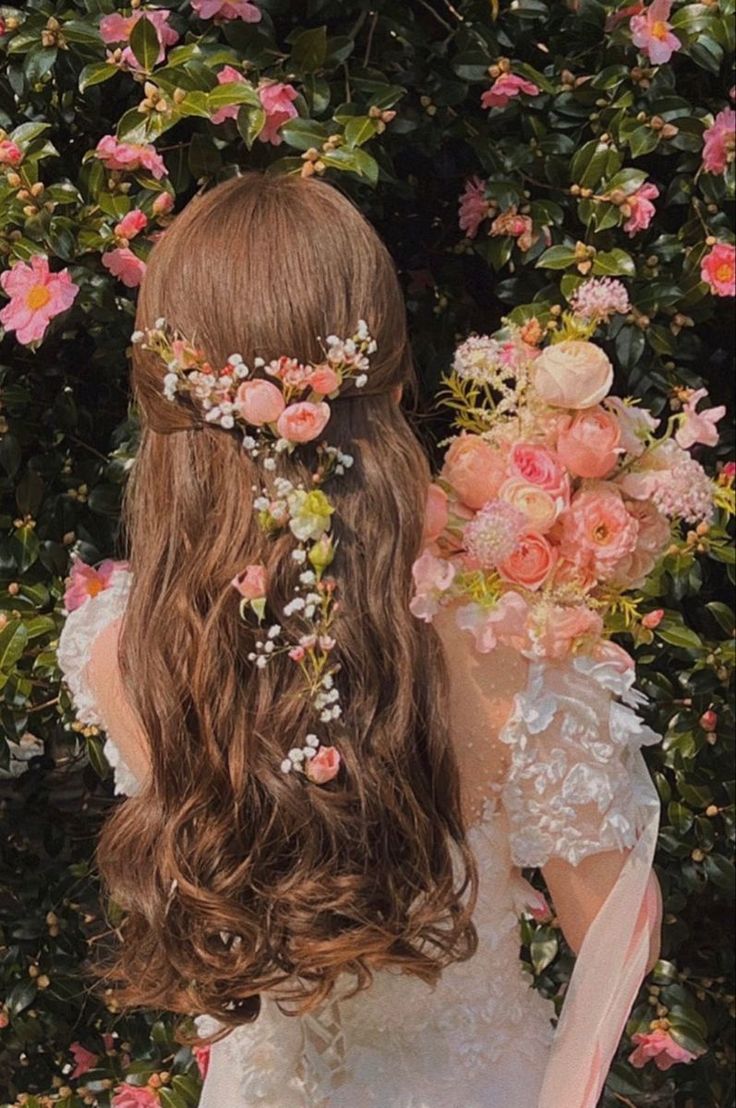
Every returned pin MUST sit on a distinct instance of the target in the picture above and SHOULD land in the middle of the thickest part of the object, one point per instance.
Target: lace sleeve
(81, 629)
(577, 782)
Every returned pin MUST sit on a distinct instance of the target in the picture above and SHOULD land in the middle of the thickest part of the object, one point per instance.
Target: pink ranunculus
(505, 623)
(637, 425)
(719, 142)
(127, 157)
(699, 427)
(539, 466)
(572, 374)
(259, 402)
(117, 28)
(640, 209)
(652, 619)
(276, 100)
(228, 75)
(252, 582)
(131, 224)
(436, 513)
(505, 88)
(652, 540)
(163, 204)
(84, 1060)
(303, 422)
(134, 1096)
(566, 629)
(531, 563)
(125, 265)
(324, 380)
(474, 207)
(202, 1058)
(432, 577)
(475, 469)
(10, 153)
(36, 296)
(597, 531)
(652, 33)
(589, 444)
(85, 581)
(540, 508)
(325, 765)
(227, 9)
(658, 1046)
(718, 269)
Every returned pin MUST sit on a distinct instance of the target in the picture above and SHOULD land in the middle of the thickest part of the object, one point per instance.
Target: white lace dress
(575, 784)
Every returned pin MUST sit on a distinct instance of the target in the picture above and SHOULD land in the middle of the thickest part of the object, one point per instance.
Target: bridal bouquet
(557, 500)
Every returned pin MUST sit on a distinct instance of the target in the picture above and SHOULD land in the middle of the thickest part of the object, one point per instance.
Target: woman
(343, 897)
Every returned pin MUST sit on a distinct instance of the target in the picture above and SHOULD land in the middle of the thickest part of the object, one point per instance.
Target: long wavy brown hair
(236, 878)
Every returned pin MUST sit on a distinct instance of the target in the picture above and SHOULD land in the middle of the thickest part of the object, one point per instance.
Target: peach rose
(251, 583)
(475, 469)
(531, 563)
(589, 443)
(324, 380)
(436, 513)
(597, 531)
(537, 505)
(566, 628)
(572, 374)
(539, 466)
(259, 402)
(303, 422)
(325, 765)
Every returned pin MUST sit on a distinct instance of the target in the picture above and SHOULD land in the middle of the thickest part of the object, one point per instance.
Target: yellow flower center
(600, 534)
(94, 587)
(724, 271)
(38, 297)
(660, 29)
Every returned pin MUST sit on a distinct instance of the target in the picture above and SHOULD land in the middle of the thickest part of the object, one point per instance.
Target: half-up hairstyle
(236, 878)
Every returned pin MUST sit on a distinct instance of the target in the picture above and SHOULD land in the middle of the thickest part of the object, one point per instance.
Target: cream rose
(540, 509)
(572, 374)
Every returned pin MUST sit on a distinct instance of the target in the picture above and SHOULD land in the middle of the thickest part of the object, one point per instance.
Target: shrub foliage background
(604, 121)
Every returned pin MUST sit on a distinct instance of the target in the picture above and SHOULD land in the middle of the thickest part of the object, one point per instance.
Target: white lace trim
(81, 628)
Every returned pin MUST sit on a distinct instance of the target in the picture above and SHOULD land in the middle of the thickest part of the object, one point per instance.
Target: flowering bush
(522, 159)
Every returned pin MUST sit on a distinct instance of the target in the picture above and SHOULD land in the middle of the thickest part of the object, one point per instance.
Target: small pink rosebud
(251, 583)
(303, 422)
(653, 619)
(297, 654)
(709, 720)
(324, 380)
(259, 402)
(325, 765)
(163, 203)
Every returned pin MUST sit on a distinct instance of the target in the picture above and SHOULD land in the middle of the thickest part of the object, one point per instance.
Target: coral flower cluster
(556, 500)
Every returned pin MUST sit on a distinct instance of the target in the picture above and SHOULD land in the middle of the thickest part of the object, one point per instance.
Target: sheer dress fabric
(551, 766)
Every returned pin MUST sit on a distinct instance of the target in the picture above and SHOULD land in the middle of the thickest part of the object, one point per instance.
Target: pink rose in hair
(505, 88)
(228, 75)
(531, 562)
(589, 443)
(566, 628)
(475, 469)
(131, 224)
(85, 581)
(259, 402)
(653, 34)
(719, 142)
(324, 380)
(276, 100)
(699, 427)
(436, 513)
(84, 1060)
(325, 765)
(303, 422)
(251, 583)
(125, 265)
(597, 531)
(10, 153)
(134, 1096)
(718, 269)
(640, 209)
(36, 296)
(660, 1047)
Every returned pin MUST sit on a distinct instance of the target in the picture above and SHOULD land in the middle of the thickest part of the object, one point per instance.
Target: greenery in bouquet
(565, 166)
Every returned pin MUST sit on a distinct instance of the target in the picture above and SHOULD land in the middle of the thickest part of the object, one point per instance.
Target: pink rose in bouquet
(589, 443)
(475, 469)
(598, 531)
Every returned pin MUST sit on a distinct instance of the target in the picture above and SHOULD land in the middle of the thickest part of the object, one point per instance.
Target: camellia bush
(517, 157)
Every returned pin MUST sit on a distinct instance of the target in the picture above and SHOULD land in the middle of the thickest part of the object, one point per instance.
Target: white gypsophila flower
(299, 555)
(269, 463)
(361, 380)
(309, 611)
(249, 442)
(251, 657)
(137, 336)
(227, 422)
(235, 359)
(261, 662)
(311, 740)
(274, 631)
(160, 323)
(309, 753)
(326, 716)
(262, 504)
(296, 755)
(269, 647)
(286, 766)
(336, 712)
(328, 681)
(259, 363)
(307, 578)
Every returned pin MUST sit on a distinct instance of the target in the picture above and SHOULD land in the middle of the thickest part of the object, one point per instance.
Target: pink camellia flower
(276, 100)
(134, 1096)
(251, 583)
(718, 269)
(304, 421)
(202, 1058)
(324, 380)
(531, 563)
(325, 765)
(432, 577)
(719, 142)
(566, 629)
(227, 9)
(131, 224)
(589, 443)
(163, 204)
(85, 581)
(228, 75)
(699, 427)
(84, 1060)
(125, 265)
(652, 540)
(541, 509)
(572, 374)
(652, 33)
(597, 531)
(117, 28)
(129, 156)
(436, 513)
(10, 153)
(539, 466)
(660, 1047)
(505, 88)
(474, 207)
(475, 469)
(505, 622)
(259, 402)
(652, 619)
(640, 209)
(36, 296)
